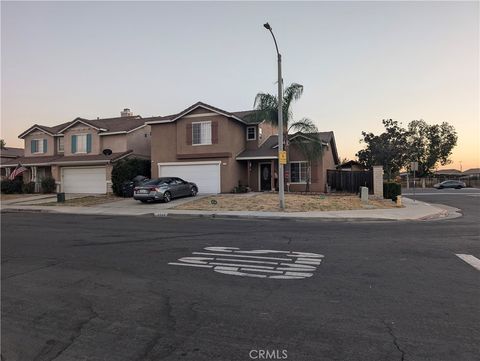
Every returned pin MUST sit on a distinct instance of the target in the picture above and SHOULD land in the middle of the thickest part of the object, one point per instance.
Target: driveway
(137, 205)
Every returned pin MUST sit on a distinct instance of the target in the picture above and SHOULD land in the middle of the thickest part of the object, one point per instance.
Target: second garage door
(205, 174)
(84, 180)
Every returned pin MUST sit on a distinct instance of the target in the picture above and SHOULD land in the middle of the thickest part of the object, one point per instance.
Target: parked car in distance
(128, 186)
(164, 189)
(450, 184)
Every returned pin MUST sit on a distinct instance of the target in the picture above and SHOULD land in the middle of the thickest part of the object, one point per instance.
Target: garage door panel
(84, 180)
(206, 176)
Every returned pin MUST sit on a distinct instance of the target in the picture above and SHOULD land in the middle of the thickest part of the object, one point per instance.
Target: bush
(11, 186)
(48, 185)
(126, 170)
(28, 187)
(391, 190)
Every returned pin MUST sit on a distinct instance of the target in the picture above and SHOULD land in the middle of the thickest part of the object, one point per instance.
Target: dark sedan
(450, 184)
(164, 189)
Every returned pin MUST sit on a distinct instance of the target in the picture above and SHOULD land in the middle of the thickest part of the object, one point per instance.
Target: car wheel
(194, 191)
(167, 197)
(459, 187)
(143, 201)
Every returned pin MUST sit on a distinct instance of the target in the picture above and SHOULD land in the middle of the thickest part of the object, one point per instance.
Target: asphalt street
(101, 288)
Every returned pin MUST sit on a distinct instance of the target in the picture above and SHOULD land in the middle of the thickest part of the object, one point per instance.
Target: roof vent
(126, 112)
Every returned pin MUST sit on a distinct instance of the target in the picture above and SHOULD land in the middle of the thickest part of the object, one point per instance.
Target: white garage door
(84, 180)
(206, 175)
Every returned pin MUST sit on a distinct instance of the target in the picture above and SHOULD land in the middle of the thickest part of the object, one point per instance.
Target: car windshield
(155, 182)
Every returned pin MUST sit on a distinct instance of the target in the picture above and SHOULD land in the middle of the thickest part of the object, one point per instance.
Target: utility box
(364, 194)
(60, 197)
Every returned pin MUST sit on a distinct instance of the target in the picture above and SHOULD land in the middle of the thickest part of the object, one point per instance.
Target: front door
(265, 177)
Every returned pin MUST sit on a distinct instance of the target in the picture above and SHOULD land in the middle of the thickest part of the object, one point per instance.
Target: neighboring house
(219, 150)
(454, 173)
(351, 166)
(7, 154)
(79, 154)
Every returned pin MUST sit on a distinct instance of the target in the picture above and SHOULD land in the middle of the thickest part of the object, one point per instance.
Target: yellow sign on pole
(282, 157)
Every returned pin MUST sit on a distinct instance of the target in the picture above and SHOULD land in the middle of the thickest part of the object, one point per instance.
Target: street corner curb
(27, 210)
(445, 214)
(268, 217)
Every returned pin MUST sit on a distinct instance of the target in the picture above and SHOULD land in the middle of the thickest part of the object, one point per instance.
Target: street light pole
(281, 177)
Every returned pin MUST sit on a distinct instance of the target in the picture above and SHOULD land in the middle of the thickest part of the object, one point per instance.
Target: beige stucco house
(79, 154)
(219, 150)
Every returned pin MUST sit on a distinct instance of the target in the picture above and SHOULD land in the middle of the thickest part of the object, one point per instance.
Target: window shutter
(33, 146)
(214, 132)
(74, 144)
(314, 171)
(45, 143)
(189, 134)
(89, 143)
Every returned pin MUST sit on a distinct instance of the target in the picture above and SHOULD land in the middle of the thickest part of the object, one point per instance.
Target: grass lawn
(86, 201)
(268, 202)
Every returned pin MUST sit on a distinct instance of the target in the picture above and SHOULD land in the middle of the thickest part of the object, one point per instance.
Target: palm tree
(266, 106)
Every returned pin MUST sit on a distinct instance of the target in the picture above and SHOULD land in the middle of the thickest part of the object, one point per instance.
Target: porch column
(249, 169)
(272, 175)
(8, 171)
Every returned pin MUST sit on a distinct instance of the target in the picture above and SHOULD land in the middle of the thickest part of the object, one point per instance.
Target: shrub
(126, 170)
(28, 187)
(48, 185)
(391, 190)
(11, 186)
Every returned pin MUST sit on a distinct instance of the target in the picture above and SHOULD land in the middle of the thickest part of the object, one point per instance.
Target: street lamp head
(267, 26)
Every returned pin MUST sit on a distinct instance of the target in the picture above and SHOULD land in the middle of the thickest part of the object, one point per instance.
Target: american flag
(17, 171)
(261, 263)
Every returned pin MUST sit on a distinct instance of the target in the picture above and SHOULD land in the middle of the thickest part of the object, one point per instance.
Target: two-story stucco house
(79, 154)
(219, 150)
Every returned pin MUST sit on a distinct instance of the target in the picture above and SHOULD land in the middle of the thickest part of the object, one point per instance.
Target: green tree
(430, 145)
(389, 149)
(2, 144)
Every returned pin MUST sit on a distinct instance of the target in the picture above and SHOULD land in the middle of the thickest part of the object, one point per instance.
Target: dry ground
(87, 201)
(8, 197)
(268, 202)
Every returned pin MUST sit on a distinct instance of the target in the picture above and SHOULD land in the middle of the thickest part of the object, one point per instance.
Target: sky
(359, 63)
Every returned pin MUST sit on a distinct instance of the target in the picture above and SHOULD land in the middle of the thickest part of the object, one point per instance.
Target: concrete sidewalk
(414, 210)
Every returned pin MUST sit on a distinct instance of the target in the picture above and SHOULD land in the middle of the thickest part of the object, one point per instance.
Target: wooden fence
(349, 181)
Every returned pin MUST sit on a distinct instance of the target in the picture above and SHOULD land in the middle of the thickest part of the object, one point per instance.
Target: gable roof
(104, 125)
(269, 148)
(9, 152)
(245, 117)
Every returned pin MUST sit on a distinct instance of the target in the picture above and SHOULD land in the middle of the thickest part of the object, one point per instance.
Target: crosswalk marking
(471, 260)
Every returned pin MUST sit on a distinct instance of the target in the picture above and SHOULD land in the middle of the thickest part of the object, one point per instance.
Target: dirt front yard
(268, 202)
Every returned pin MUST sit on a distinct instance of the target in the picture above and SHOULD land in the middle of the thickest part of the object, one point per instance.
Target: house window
(202, 133)
(38, 146)
(60, 144)
(298, 172)
(251, 133)
(81, 143)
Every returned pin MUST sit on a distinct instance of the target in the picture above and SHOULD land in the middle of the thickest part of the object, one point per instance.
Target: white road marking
(236, 262)
(471, 260)
(241, 256)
